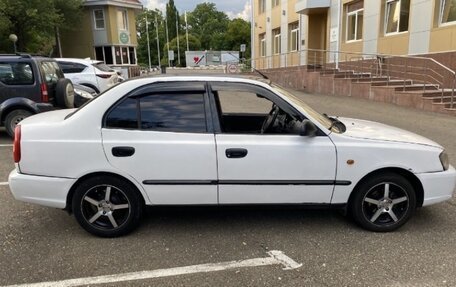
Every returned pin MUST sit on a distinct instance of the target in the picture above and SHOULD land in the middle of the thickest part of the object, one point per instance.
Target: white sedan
(220, 141)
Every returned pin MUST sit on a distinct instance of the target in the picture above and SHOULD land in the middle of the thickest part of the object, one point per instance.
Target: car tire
(383, 202)
(13, 118)
(64, 94)
(107, 206)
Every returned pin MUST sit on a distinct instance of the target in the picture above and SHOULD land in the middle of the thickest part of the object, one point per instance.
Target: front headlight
(445, 160)
(83, 94)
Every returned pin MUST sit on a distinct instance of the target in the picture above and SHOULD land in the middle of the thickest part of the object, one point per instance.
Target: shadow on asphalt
(4, 137)
(252, 216)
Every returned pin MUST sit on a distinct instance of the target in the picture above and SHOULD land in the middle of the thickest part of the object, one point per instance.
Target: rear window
(16, 74)
(180, 112)
(103, 67)
(52, 72)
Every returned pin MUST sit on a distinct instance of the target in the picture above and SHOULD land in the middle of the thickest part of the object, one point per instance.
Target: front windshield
(323, 120)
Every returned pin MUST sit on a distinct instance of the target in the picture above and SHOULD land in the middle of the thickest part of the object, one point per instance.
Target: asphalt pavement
(39, 244)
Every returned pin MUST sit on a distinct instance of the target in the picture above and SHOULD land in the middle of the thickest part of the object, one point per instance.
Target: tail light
(44, 93)
(17, 144)
(104, 76)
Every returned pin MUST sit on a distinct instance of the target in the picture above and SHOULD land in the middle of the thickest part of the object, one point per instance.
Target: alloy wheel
(105, 207)
(385, 204)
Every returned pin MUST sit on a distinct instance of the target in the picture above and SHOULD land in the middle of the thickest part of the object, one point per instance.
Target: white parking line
(6, 145)
(3, 183)
(275, 258)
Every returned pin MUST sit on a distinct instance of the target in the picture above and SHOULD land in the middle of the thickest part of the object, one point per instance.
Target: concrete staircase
(397, 91)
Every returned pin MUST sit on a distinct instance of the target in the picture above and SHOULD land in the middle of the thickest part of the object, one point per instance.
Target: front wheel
(383, 202)
(107, 206)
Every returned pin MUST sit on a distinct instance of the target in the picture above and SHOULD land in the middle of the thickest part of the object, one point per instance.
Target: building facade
(107, 33)
(289, 32)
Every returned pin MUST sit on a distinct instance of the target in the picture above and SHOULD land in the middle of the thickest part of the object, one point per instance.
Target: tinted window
(161, 112)
(16, 74)
(173, 112)
(124, 116)
(69, 68)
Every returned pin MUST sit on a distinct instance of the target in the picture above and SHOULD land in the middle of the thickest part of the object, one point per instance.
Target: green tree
(154, 17)
(171, 17)
(35, 21)
(238, 33)
(208, 24)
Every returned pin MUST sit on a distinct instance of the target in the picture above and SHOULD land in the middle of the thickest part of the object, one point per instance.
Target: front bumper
(438, 186)
(42, 190)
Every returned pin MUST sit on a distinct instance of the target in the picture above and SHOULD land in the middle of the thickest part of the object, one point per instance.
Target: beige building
(107, 33)
(287, 32)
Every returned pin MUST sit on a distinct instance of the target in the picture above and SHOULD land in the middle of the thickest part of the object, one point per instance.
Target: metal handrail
(431, 72)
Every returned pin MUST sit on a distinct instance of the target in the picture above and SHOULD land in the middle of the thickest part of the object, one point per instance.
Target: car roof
(24, 57)
(75, 60)
(209, 77)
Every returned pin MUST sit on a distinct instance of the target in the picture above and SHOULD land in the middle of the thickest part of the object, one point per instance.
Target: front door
(262, 159)
(161, 136)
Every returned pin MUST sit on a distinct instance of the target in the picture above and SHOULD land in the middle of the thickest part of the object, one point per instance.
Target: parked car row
(32, 84)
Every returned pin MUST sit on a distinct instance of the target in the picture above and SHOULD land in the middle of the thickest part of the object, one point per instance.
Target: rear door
(51, 75)
(17, 79)
(162, 135)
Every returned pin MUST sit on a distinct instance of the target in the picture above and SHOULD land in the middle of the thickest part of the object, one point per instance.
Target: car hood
(376, 131)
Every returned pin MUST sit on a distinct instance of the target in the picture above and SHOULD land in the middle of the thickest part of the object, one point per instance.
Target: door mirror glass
(308, 129)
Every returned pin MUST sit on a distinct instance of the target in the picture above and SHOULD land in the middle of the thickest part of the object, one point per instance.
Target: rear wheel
(13, 118)
(107, 206)
(383, 203)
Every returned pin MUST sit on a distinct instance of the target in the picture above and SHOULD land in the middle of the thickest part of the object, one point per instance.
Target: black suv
(30, 85)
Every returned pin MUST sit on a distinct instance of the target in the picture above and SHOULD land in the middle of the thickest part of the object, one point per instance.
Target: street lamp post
(13, 38)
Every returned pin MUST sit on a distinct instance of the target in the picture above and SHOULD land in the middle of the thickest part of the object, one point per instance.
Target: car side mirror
(308, 129)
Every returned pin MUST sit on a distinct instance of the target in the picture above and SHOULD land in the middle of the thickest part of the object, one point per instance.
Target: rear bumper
(42, 190)
(438, 186)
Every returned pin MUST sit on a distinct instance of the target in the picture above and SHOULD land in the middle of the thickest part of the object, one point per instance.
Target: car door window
(247, 111)
(180, 112)
(124, 115)
(71, 68)
(171, 112)
(16, 74)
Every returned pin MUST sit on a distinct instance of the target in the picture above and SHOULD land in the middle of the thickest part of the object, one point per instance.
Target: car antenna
(255, 70)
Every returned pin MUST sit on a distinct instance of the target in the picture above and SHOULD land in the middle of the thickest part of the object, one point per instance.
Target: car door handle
(123, 151)
(236, 152)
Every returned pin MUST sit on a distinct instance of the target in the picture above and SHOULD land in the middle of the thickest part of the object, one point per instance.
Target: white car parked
(91, 73)
(220, 141)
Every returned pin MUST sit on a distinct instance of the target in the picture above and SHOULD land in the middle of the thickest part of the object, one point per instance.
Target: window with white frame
(98, 16)
(122, 20)
(355, 19)
(448, 11)
(397, 16)
(262, 6)
(275, 3)
(276, 45)
(293, 37)
(263, 45)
